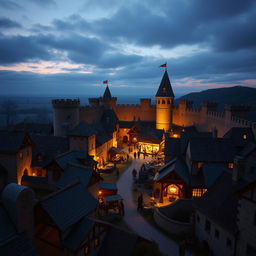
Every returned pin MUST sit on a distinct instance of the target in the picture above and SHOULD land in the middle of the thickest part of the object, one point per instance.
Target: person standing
(138, 154)
(134, 154)
(134, 173)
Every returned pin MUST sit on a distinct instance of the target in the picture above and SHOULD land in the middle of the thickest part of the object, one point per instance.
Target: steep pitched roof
(165, 88)
(107, 94)
(212, 149)
(48, 147)
(220, 202)
(74, 173)
(69, 205)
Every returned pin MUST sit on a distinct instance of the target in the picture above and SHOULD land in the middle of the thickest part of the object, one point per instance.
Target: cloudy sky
(63, 47)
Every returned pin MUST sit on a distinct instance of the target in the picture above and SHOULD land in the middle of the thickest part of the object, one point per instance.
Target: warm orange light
(172, 190)
(175, 135)
(100, 192)
(135, 139)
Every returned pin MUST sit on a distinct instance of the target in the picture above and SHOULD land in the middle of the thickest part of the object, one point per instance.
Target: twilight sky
(64, 47)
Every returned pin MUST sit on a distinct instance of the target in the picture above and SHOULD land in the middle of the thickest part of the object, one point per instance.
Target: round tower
(65, 115)
(164, 104)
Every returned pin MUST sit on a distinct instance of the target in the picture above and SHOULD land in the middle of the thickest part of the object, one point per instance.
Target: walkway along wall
(164, 217)
(206, 118)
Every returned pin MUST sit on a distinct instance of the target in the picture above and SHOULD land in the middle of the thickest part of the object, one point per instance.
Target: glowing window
(86, 250)
(230, 165)
(199, 165)
(244, 136)
(197, 192)
(96, 242)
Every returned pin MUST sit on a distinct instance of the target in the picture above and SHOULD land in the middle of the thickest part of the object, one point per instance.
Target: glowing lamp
(100, 192)
(172, 190)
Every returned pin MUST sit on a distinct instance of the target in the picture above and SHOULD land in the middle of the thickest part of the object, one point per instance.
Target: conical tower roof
(107, 94)
(165, 87)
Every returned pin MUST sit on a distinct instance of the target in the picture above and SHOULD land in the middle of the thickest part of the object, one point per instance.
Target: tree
(9, 108)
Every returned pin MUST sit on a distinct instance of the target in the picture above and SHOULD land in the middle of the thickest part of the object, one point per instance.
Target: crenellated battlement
(65, 103)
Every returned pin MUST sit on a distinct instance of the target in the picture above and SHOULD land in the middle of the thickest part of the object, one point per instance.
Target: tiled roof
(78, 234)
(219, 203)
(110, 186)
(118, 242)
(165, 88)
(237, 133)
(212, 149)
(211, 172)
(76, 157)
(48, 147)
(69, 205)
(112, 198)
(149, 134)
(74, 173)
(172, 147)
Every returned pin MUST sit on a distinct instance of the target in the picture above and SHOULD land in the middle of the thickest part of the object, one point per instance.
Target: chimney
(238, 170)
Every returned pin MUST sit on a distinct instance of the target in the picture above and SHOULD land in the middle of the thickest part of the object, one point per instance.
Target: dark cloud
(10, 5)
(19, 49)
(6, 23)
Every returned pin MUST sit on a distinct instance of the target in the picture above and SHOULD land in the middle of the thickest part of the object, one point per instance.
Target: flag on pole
(105, 82)
(163, 65)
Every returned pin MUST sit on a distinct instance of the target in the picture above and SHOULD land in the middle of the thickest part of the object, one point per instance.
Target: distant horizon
(53, 46)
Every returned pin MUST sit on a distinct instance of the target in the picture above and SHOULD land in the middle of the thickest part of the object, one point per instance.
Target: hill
(232, 95)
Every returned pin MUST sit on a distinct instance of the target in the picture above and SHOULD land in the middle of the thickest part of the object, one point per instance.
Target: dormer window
(164, 89)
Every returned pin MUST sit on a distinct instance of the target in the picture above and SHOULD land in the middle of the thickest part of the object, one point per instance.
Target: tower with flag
(164, 103)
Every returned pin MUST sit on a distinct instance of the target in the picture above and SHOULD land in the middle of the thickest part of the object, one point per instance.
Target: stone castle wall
(207, 118)
(90, 114)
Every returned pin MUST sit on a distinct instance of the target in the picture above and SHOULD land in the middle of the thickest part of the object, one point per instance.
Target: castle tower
(164, 104)
(108, 100)
(65, 115)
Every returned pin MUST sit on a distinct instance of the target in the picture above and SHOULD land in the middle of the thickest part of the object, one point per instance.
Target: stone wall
(164, 217)
(218, 244)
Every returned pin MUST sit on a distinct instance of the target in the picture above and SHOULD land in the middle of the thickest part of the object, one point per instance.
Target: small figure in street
(134, 154)
(138, 154)
(128, 157)
(134, 173)
(140, 202)
(144, 155)
(122, 208)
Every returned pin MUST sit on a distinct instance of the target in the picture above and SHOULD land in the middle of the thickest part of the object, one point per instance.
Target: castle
(68, 113)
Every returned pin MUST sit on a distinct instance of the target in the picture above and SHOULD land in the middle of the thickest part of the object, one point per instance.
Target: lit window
(86, 250)
(197, 192)
(199, 165)
(244, 136)
(230, 165)
(96, 242)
